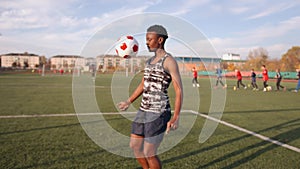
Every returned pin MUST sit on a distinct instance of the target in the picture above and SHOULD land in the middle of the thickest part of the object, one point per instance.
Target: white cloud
(61, 29)
(267, 36)
(239, 10)
(273, 8)
(187, 6)
(273, 30)
(28, 14)
(20, 19)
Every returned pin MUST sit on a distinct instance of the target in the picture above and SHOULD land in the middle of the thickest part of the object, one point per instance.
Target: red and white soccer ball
(127, 46)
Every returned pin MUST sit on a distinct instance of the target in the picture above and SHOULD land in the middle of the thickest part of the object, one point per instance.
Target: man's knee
(136, 143)
(149, 153)
(134, 146)
(149, 158)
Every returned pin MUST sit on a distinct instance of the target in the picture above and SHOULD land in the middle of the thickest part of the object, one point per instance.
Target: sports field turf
(60, 142)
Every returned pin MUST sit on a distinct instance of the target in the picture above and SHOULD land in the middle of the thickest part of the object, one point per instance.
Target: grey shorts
(151, 126)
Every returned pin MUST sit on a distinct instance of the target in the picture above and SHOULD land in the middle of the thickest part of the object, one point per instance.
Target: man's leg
(136, 144)
(253, 84)
(193, 82)
(278, 84)
(298, 85)
(221, 82)
(242, 84)
(265, 84)
(197, 83)
(150, 151)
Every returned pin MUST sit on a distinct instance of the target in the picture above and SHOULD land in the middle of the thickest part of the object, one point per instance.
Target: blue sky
(52, 27)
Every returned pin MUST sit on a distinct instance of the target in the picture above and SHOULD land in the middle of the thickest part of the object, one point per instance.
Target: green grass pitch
(60, 142)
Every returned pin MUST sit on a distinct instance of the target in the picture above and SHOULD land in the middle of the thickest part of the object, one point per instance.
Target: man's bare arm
(172, 67)
(138, 91)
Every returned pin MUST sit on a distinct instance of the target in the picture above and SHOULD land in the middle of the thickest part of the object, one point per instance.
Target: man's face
(152, 41)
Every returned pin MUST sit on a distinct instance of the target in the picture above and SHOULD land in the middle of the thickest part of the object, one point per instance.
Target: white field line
(62, 115)
(248, 132)
(189, 111)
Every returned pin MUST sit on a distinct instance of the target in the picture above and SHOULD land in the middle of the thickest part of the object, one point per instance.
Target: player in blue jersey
(298, 84)
(219, 78)
(253, 80)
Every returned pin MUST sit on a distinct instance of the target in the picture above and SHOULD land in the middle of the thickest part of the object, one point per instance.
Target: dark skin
(146, 152)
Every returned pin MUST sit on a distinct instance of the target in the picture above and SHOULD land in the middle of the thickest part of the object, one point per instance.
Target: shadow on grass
(61, 160)
(264, 111)
(292, 135)
(54, 127)
(52, 162)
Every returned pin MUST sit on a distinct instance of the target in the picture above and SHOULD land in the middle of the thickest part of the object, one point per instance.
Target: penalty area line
(296, 149)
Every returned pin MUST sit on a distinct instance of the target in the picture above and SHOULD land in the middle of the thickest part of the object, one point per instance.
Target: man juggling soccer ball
(153, 118)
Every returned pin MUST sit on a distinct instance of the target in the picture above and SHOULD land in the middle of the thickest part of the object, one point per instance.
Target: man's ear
(160, 40)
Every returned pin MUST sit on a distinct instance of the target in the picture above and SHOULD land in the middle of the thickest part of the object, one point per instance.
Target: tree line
(289, 62)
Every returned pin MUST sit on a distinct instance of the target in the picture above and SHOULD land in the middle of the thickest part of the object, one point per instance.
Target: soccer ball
(269, 88)
(127, 46)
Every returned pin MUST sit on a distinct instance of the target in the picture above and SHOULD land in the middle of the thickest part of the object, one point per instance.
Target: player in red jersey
(195, 76)
(265, 77)
(239, 77)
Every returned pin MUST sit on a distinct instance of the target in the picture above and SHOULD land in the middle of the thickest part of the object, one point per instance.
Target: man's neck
(160, 53)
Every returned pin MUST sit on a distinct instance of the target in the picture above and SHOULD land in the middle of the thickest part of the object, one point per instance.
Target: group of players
(238, 75)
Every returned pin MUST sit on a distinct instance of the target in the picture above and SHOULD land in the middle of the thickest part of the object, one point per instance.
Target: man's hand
(173, 124)
(123, 105)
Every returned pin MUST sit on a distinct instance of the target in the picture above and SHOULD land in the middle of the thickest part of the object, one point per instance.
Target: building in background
(21, 60)
(231, 56)
(135, 64)
(231, 61)
(67, 62)
(111, 63)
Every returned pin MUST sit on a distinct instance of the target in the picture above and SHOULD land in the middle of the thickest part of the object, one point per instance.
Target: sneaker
(295, 91)
(194, 85)
(245, 87)
(265, 89)
(198, 85)
(253, 89)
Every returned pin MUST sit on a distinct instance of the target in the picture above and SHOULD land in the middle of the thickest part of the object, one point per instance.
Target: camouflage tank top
(156, 82)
